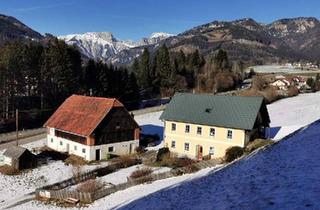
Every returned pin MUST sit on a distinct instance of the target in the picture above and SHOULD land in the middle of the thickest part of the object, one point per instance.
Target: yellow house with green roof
(199, 125)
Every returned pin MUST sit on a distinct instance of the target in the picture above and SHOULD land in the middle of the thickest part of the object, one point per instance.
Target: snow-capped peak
(103, 45)
(160, 34)
(91, 36)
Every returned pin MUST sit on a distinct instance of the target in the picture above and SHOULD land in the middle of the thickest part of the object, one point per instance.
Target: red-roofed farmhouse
(92, 127)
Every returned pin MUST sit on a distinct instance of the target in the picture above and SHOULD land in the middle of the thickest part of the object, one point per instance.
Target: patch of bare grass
(90, 186)
(8, 170)
(75, 161)
(257, 143)
(140, 173)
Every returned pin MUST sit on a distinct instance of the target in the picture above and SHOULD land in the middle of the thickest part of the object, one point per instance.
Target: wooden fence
(56, 191)
(59, 191)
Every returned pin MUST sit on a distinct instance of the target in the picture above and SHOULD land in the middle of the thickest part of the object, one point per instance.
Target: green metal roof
(222, 111)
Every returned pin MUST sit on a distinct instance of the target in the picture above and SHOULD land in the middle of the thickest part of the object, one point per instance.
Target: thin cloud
(49, 6)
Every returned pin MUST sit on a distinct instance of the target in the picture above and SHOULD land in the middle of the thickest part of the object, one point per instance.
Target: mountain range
(12, 29)
(103, 45)
(247, 40)
(290, 39)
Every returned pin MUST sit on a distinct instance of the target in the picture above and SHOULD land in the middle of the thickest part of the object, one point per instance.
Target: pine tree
(144, 73)
(131, 92)
(181, 61)
(221, 60)
(90, 78)
(163, 69)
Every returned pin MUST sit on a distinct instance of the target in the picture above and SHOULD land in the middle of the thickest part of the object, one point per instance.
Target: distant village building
(199, 125)
(299, 82)
(19, 158)
(281, 84)
(92, 128)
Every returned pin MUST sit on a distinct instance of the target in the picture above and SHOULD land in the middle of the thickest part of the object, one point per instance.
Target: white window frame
(61, 143)
(186, 146)
(211, 150)
(173, 127)
(51, 140)
(75, 148)
(214, 132)
(187, 130)
(199, 133)
(173, 144)
(83, 150)
(231, 134)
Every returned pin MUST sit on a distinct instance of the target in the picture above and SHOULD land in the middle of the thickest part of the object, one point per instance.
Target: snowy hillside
(290, 114)
(103, 45)
(285, 176)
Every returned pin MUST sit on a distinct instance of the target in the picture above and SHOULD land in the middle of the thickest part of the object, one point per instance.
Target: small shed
(19, 158)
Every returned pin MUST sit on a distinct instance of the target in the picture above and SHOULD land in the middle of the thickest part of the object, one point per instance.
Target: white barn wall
(120, 148)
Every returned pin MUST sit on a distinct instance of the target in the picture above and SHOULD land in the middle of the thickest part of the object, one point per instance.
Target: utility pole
(17, 126)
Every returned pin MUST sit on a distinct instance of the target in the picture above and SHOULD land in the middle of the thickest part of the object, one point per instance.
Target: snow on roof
(14, 152)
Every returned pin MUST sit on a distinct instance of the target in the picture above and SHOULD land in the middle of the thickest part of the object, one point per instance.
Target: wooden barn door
(97, 154)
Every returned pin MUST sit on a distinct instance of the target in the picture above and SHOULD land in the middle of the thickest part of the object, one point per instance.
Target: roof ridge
(212, 95)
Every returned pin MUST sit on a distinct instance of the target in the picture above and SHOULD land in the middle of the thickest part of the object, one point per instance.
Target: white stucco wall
(89, 152)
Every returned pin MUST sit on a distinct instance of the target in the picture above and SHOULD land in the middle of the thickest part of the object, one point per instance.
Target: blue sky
(133, 19)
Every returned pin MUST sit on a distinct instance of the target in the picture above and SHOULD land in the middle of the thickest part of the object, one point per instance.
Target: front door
(98, 154)
(199, 152)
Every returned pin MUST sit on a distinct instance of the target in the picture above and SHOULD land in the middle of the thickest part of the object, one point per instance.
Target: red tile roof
(81, 114)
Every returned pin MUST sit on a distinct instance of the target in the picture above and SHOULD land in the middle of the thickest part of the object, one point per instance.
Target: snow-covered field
(12, 187)
(280, 69)
(290, 114)
(287, 114)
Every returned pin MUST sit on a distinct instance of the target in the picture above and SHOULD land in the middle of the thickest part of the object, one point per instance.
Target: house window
(110, 149)
(211, 151)
(229, 134)
(117, 125)
(186, 146)
(187, 130)
(173, 127)
(173, 144)
(51, 140)
(83, 150)
(199, 130)
(61, 143)
(75, 148)
(212, 131)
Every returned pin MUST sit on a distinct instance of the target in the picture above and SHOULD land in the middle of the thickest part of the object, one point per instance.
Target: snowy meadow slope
(290, 114)
(284, 176)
